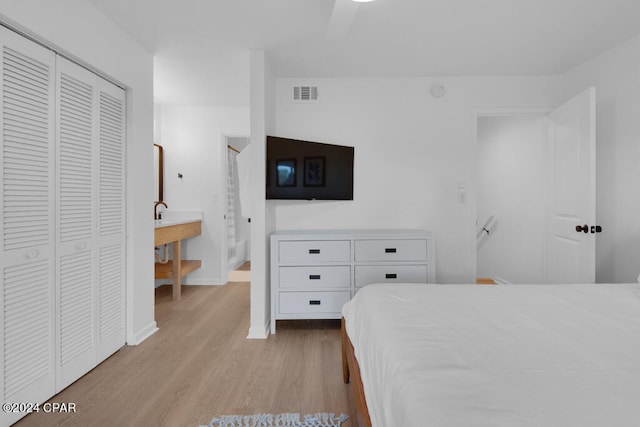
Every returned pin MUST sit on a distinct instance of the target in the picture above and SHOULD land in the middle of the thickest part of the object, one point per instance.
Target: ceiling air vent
(305, 93)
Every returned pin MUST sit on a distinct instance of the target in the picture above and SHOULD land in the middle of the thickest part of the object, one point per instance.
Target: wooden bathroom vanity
(175, 231)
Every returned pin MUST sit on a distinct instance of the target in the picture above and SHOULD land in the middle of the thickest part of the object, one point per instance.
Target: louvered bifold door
(76, 225)
(26, 222)
(111, 219)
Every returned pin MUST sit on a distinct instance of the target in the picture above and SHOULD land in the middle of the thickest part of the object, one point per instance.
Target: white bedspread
(504, 355)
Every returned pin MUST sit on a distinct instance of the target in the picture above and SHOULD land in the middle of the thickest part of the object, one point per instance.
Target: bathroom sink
(174, 221)
(164, 222)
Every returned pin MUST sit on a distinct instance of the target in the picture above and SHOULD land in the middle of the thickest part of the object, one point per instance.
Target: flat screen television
(305, 170)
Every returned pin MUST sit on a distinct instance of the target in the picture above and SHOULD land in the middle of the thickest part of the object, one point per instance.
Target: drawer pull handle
(390, 250)
(314, 251)
(391, 276)
(314, 277)
(314, 302)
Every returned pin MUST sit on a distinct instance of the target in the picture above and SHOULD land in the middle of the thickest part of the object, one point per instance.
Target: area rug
(279, 420)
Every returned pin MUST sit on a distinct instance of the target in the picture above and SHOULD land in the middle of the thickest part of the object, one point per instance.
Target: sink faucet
(156, 214)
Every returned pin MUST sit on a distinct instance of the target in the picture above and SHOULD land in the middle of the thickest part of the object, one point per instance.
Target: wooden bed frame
(351, 370)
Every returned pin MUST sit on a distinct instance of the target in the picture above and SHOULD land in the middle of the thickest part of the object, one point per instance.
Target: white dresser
(315, 272)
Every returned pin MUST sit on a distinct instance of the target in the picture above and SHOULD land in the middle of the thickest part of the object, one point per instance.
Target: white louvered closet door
(62, 210)
(26, 224)
(75, 232)
(111, 219)
(90, 232)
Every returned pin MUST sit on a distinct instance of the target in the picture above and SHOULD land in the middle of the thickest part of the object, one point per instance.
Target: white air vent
(305, 93)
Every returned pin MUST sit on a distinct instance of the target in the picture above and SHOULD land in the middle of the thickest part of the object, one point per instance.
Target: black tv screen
(306, 170)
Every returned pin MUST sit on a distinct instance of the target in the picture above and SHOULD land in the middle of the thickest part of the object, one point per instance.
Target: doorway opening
(240, 274)
(512, 201)
(236, 255)
(536, 194)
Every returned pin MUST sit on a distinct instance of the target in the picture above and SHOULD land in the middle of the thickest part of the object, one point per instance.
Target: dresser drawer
(369, 274)
(391, 250)
(312, 302)
(314, 251)
(315, 277)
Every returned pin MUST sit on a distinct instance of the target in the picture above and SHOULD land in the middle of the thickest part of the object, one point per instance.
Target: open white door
(572, 202)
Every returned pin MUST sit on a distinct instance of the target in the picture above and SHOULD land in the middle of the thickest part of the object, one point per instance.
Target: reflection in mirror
(158, 166)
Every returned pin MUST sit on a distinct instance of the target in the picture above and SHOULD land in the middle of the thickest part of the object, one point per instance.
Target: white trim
(223, 197)
(144, 333)
(260, 333)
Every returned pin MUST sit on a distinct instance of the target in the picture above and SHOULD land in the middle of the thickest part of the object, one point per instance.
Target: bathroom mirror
(158, 166)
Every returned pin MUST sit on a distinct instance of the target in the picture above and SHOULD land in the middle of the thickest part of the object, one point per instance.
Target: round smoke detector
(438, 90)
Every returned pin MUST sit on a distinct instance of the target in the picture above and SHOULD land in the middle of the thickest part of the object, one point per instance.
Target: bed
(506, 355)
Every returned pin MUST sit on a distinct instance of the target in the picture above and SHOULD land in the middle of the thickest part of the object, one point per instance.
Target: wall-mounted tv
(305, 170)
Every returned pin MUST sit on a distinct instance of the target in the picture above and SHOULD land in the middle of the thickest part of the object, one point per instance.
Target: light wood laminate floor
(200, 365)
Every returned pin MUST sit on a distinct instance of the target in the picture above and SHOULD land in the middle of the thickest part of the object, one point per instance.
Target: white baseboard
(145, 333)
(260, 332)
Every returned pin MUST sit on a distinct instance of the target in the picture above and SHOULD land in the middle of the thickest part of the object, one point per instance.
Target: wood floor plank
(200, 365)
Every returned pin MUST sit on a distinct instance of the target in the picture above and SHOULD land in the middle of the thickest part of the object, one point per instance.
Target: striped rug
(279, 420)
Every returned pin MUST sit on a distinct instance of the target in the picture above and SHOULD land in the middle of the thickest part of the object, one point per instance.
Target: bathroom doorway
(240, 274)
(237, 230)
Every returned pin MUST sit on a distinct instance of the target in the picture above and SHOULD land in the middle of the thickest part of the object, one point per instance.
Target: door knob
(583, 228)
(596, 229)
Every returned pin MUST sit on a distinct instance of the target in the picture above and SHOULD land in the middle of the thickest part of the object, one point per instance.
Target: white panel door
(26, 225)
(571, 253)
(76, 210)
(111, 219)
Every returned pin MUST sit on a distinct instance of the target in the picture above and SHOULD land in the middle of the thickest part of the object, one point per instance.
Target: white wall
(512, 165)
(192, 138)
(616, 76)
(78, 28)
(411, 151)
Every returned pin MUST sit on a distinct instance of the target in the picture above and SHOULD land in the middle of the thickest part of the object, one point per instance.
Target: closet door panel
(62, 221)
(111, 139)
(76, 210)
(111, 330)
(27, 148)
(111, 219)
